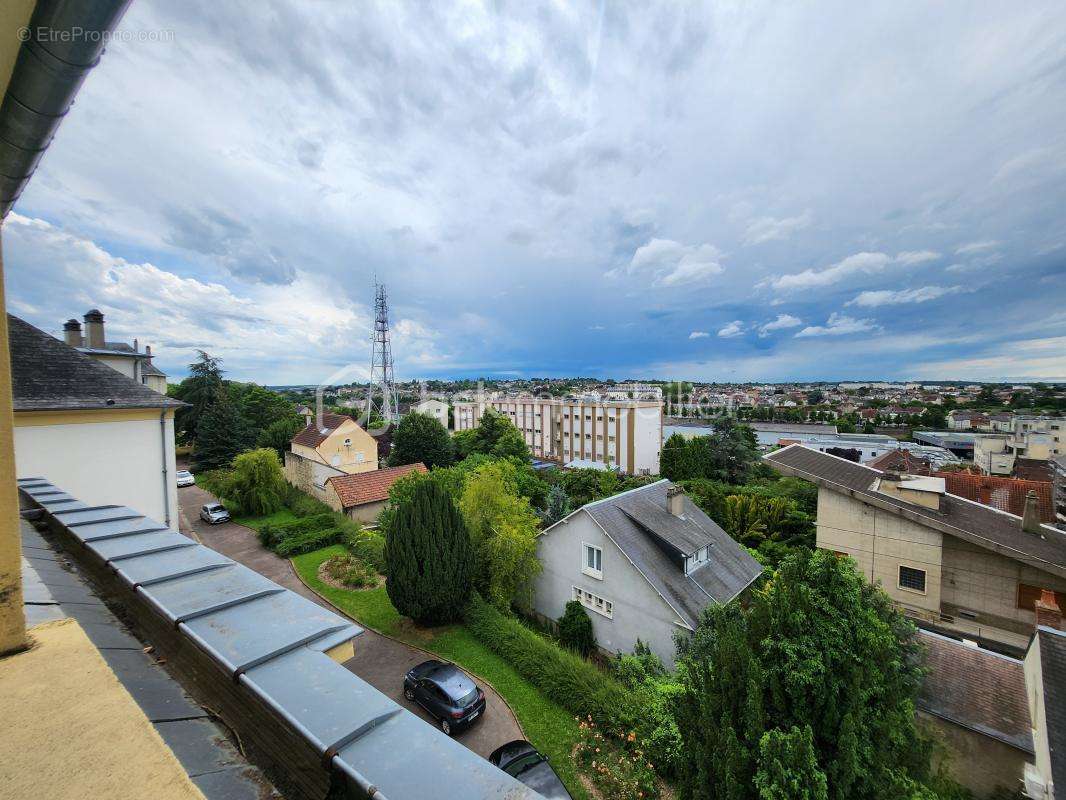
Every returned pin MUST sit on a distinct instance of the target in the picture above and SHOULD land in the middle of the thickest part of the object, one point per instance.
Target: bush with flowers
(617, 763)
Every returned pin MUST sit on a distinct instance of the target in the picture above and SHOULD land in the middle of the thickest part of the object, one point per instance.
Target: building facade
(437, 409)
(130, 360)
(90, 429)
(951, 564)
(624, 435)
(334, 446)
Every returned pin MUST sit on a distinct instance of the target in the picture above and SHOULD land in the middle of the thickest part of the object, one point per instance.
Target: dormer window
(696, 559)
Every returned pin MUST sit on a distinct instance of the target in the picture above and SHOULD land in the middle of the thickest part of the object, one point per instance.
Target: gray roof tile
(1053, 671)
(652, 538)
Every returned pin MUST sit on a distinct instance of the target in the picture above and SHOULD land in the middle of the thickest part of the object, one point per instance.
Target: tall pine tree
(429, 558)
(222, 433)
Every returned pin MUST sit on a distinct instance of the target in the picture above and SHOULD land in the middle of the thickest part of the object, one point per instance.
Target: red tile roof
(313, 435)
(1033, 469)
(1006, 494)
(370, 487)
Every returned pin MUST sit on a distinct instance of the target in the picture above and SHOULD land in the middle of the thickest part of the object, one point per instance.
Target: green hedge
(571, 681)
(272, 536)
(297, 544)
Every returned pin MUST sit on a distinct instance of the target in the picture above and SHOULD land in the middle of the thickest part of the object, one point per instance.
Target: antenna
(381, 378)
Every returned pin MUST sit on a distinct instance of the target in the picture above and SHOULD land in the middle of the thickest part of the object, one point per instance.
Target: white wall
(104, 463)
(639, 611)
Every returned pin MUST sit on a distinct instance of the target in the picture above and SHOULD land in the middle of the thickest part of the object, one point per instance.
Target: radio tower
(381, 380)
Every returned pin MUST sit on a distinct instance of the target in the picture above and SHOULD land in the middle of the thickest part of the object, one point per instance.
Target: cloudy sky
(743, 191)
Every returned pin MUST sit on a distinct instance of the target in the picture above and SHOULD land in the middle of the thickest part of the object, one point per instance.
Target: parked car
(447, 693)
(521, 761)
(214, 513)
(185, 478)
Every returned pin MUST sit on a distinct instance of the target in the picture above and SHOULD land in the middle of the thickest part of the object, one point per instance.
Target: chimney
(673, 499)
(94, 329)
(72, 332)
(1048, 613)
(1031, 516)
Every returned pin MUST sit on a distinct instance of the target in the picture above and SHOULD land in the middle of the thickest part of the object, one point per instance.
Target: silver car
(185, 478)
(214, 513)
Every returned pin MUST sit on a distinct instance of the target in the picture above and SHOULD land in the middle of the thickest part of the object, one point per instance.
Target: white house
(645, 563)
(437, 409)
(89, 429)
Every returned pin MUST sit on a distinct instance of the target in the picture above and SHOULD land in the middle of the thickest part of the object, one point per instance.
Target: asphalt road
(379, 660)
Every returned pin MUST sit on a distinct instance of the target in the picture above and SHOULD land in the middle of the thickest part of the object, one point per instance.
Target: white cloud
(838, 325)
(783, 322)
(698, 335)
(1043, 359)
(887, 297)
(858, 263)
(911, 257)
(976, 247)
(676, 264)
(766, 229)
(734, 328)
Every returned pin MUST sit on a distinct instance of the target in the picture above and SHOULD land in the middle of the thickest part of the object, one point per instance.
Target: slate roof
(370, 487)
(977, 689)
(48, 375)
(983, 526)
(313, 435)
(1053, 671)
(651, 537)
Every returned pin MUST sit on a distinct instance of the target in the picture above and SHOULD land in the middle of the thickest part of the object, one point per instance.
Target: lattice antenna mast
(381, 378)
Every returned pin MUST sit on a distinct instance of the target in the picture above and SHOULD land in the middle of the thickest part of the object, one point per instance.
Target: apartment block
(626, 435)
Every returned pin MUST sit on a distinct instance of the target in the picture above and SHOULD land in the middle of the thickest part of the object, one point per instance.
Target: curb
(429, 653)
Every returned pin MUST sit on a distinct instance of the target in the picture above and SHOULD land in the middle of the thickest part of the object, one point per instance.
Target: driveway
(379, 660)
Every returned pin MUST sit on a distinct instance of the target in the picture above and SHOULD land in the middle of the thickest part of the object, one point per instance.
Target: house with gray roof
(105, 436)
(123, 357)
(644, 563)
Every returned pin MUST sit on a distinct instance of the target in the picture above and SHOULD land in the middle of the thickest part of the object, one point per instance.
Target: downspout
(166, 479)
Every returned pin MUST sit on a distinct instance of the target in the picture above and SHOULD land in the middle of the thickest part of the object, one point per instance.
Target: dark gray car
(524, 763)
(447, 693)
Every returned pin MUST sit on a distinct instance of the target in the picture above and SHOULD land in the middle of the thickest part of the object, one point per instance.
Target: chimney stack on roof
(1048, 612)
(94, 329)
(72, 333)
(1031, 516)
(674, 493)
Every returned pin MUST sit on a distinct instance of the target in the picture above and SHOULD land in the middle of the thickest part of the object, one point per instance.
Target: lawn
(548, 726)
(277, 518)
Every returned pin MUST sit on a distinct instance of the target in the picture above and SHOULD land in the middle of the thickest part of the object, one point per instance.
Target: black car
(521, 761)
(446, 692)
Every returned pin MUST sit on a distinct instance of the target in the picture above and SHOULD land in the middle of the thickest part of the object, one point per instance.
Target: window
(592, 564)
(697, 558)
(911, 578)
(594, 602)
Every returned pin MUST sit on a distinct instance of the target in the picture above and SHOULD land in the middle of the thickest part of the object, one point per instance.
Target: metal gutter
(265, 653)
(65, 39)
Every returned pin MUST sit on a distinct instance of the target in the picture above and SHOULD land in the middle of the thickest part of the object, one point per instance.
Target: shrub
(303, 505)
(617, 763)
(563, 676)
(351, 572)
(296, 544)
(215, 481)
(575, 629)
(429, 559)
(321, 527)
(368, 547)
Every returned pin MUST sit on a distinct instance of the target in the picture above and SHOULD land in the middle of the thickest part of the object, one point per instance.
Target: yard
(548, 726)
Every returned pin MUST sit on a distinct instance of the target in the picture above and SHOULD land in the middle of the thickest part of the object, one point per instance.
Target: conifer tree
(222, 433)
(429, 558)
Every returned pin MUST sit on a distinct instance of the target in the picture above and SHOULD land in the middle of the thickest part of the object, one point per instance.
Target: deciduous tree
(420, 437)
(257, 485)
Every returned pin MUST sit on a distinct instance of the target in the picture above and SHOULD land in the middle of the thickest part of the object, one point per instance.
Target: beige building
(437, 409)
(625, 435)
(91, 430)
(334, 446)
(1034, 438)
(952, 565)
(130, 360)
(363, 496)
